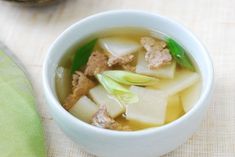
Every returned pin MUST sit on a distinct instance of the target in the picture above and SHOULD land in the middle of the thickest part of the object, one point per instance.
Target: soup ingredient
(102, 119)
(82, 55)
(190, 96)
(151, 107)
(130, 78)
(119, 46)
(63, 77)
(80, 86)
(157, 54)
(117, 90)
(174, 108)
(101, 97)
(165, 71)
(97, 63)
(179, 54)
(183, 79)
(133, 125)
(129, 67)
(84, 109)
(123, 60)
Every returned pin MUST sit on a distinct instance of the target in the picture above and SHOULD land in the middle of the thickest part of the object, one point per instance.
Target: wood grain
(28, 32)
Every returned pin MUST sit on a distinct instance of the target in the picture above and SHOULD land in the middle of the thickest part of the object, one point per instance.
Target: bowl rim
(75, 121)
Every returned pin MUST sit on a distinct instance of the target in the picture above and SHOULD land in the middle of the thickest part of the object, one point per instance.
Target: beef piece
(97, 63)
(158, 59)
(157, 54)
(102, 119)
(150, 44)
(129, 67)
(113, 60)
(80, 86)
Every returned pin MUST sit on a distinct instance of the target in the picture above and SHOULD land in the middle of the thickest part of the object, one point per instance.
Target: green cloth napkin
(21, 133)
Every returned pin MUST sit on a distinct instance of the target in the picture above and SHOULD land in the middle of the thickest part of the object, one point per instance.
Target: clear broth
(130, 32)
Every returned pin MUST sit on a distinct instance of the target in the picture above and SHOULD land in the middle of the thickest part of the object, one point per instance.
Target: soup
(127, 79)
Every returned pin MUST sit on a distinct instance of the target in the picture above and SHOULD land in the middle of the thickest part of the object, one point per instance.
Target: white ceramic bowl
(144, 143)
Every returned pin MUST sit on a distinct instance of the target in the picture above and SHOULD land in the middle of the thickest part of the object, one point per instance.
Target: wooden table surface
(28, 32)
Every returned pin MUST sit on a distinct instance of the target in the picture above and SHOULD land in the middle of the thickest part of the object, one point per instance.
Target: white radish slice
(166, 71)
(84, 109)
(182, 80)
(190, 96)
(174, 108)
(151, 107)
(101, 97)
(63, 83)
(119, 46)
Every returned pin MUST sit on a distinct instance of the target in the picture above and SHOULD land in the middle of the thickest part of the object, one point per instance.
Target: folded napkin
(21, 132)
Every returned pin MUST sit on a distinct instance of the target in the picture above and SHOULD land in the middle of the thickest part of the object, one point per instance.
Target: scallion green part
(82, 55)
(179, 54)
